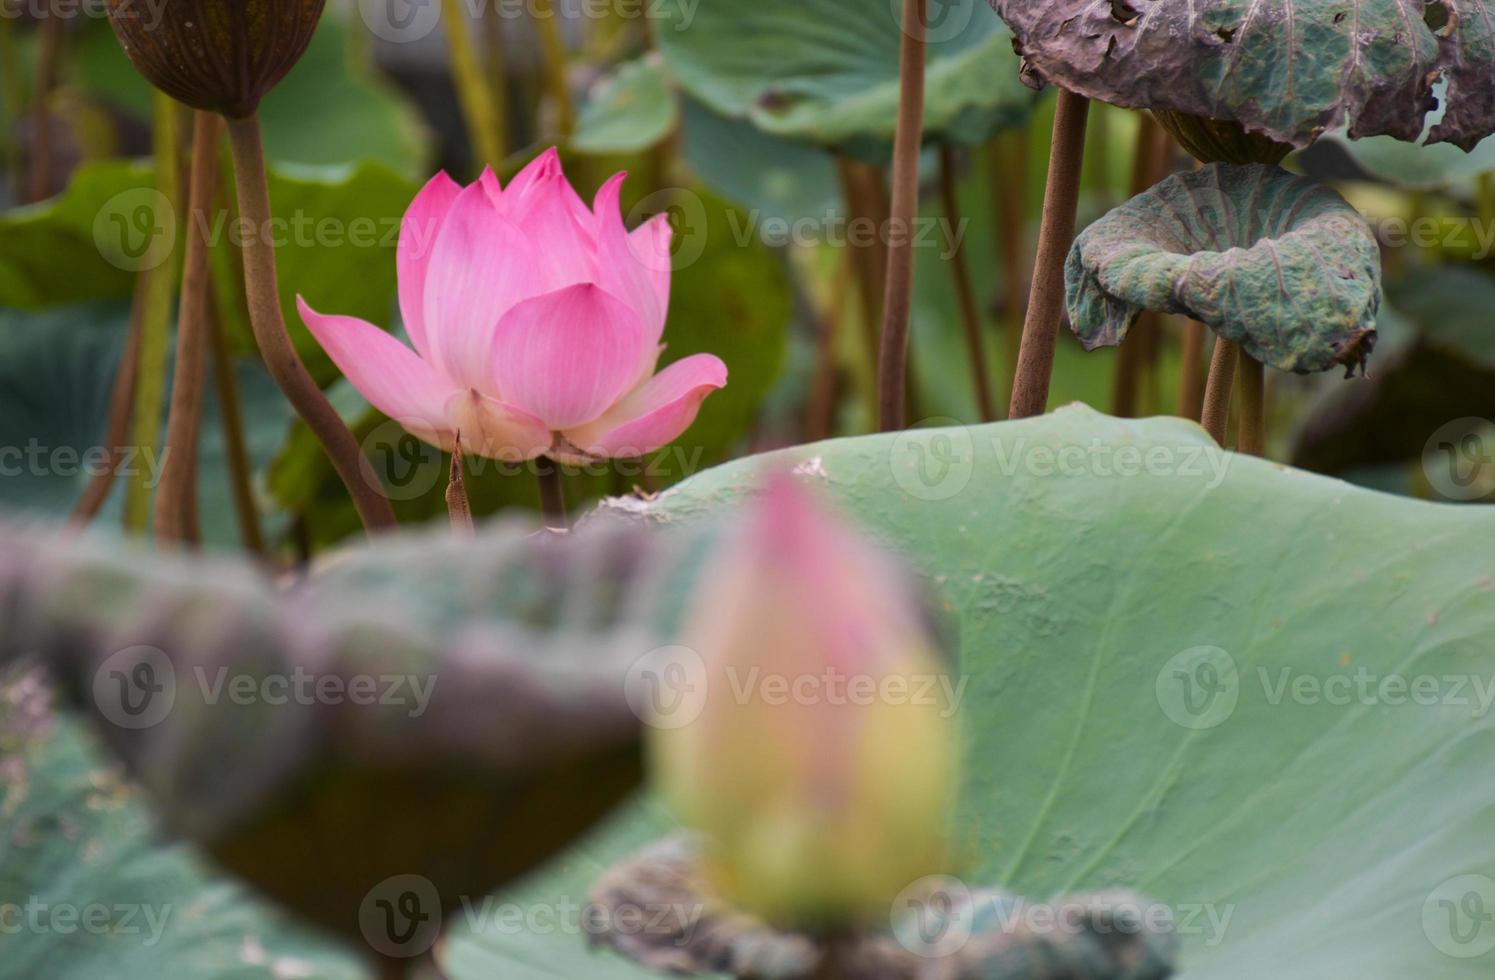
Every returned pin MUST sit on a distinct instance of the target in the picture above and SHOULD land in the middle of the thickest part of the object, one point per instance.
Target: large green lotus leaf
(1290, 69)
(1278, 263)
(628, 111)
(329, 111)
(57, 369)
(826, 71)
(76, 840)
(1129, 601)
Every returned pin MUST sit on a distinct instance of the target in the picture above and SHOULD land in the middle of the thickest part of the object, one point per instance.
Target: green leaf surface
(826, 71)
(628, 111)
(1278, 263)
(1289, 69)
(1321, 828)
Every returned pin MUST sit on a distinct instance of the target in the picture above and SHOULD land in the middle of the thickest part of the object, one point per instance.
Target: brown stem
(1061, 201)
(117, 426)
(268, 323)
(892, 364)
(820, 414)
(1009, 173)
(53, 34)
(869, 259)
(965, 291)
(231, 418)
(1217, 392)
(185, 419)
(1252, 435)
(458, 508)
(1191, 380)
(1131, 360)
(552, 493)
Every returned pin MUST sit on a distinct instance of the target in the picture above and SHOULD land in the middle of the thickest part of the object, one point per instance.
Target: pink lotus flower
(536, 324)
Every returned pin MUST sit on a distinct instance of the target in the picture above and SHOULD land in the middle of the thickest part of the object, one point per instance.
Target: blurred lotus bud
(821, 765)
(220, 55)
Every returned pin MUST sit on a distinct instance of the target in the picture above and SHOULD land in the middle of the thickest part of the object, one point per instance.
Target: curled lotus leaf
(1288, 69)
(449, 709)
(1278, 263)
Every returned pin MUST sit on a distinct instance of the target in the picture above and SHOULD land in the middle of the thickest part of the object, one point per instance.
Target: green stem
(479, 110)
(553, 49)
(1009, 176)
(155, 323)
(184, 422)
(1061, 201)
(1217, 392)
(892, 364)
(262, 293)
(965, 290)
(552, 493)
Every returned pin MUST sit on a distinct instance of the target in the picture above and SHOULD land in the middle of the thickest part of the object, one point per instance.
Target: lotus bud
(820, 768)
(219, 55)
(1220, 140)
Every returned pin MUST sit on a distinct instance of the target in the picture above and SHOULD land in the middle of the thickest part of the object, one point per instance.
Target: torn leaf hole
(1439, 17)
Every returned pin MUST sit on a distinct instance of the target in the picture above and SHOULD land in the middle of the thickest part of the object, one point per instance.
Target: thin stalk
(53, 33)
(1131, 359)
(870, 260)
(496, 67)
(458, 508)
(231, 417)
(1191, 378)
(155, 325)
(479, 111)
(552, 493)
(557, 83)
(184, 421)
(965, 291)
(268, 323)
(820, 414)
(1061, 201)
(1217, 392)
(1252, 435)
(1009, 175)
(892, 364)
(117, 424)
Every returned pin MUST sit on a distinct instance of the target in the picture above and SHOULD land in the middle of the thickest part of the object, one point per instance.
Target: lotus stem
(1252, 437)
(155, 324)
(231, 417)
(557, 83)
(869, 261)
(458, 508)
(1061, 201)
(1009, 176)
(1148, 161)
(117, 424)
(184, 421)
(1217, 392)
(53, 33)
(892, 362)
(965, 291)
(474, 93)
(268, 323)
(1191, 380)
(552, 493)
(820, 414)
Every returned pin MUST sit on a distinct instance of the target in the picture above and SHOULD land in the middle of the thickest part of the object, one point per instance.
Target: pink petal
(418, 230)
(619, 268)
(386, 372)
(656, 414)
(561, 251)
(480, 268)
(546, 164)
(494, 429)
(650, 242)
(567, 356)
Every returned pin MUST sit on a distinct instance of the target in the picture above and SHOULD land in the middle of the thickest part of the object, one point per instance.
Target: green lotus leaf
(1288, 69)
(826, 71)
(1278, 263)
(629, 111)
(427, 707)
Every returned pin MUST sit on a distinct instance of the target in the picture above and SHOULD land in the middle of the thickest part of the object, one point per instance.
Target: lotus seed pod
(219, 55)
(820, 768)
